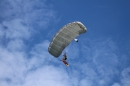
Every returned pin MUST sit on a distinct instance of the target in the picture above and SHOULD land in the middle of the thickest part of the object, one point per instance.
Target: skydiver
(64, 60)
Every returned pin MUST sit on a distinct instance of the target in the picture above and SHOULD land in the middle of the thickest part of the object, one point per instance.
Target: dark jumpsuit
(65, 57)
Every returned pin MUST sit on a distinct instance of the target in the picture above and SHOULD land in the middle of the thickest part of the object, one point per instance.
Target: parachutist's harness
(65, 57)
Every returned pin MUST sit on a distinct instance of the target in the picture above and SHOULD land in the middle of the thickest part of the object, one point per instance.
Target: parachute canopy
(64, 37)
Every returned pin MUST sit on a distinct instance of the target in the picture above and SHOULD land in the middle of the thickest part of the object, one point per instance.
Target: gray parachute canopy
(64, 37)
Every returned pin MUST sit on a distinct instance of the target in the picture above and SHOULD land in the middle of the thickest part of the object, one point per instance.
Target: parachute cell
(64, 37)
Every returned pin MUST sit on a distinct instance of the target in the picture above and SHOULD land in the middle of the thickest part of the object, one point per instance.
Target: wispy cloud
(15, 29)
(33, 13)
(18, 21)
(100, 62)
(47, 75)
(125, 79)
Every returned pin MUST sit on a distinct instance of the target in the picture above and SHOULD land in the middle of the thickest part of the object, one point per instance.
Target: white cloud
(47, 75)
(116, 84)
(16, 45)
(18, 67)
(125, 80)
(15, 29)
(99, 62)
(12, 65)
(85, 82)
(35, 14)
(40, 55)
(18, 70)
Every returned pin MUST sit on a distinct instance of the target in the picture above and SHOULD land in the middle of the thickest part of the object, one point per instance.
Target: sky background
(100, 58)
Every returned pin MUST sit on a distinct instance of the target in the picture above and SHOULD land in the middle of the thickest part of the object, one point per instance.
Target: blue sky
(100, 58)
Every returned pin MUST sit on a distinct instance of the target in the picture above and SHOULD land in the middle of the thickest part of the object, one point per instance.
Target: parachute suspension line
(68, 48)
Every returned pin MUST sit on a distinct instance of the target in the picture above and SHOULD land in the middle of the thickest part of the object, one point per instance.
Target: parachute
(64, 37)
